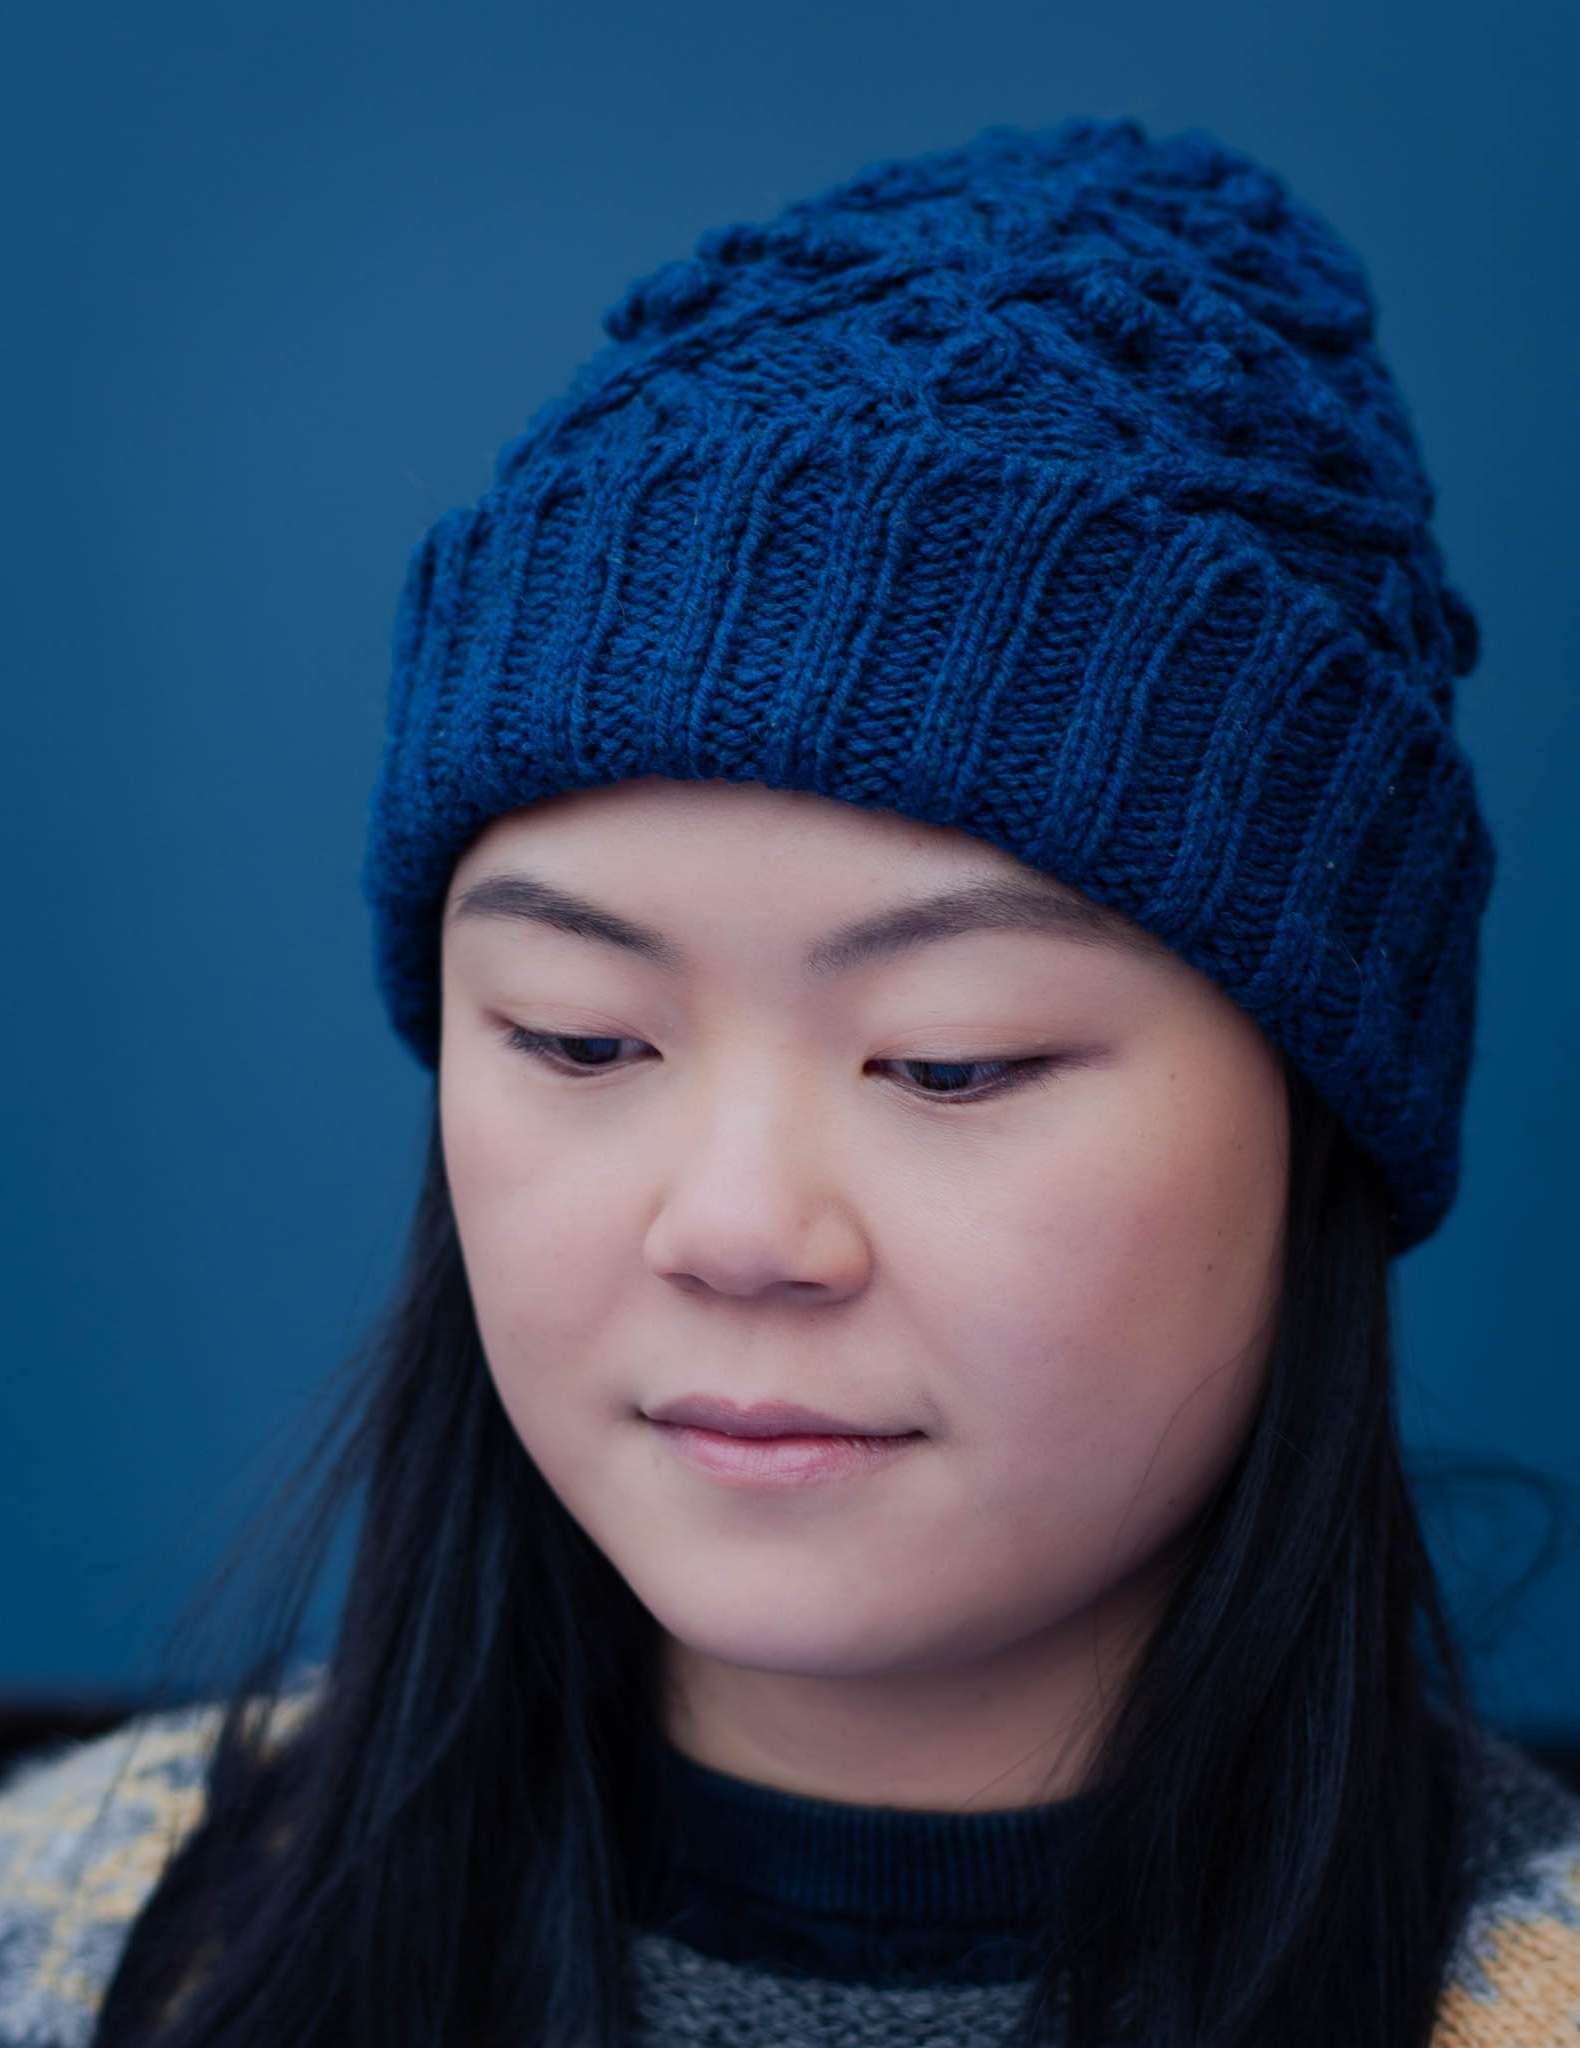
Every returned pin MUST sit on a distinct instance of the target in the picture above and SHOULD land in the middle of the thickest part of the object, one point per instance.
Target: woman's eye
(544, 1045)
(1002, 1075)
(569, 1055)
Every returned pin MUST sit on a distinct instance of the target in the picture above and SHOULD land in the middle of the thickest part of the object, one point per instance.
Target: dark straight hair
(431, 1852)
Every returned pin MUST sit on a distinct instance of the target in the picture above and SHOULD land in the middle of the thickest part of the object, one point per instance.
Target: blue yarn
(1051, 488)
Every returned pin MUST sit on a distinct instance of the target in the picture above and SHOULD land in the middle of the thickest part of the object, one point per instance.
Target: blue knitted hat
(1051, 488)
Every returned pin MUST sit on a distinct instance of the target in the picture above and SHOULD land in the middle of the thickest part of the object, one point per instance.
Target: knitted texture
(1051, 488)
(88, 1828)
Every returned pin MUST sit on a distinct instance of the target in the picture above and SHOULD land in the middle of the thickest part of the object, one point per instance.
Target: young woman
(922, 842)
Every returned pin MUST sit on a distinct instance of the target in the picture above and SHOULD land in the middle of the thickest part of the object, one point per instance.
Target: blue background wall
(287, 278)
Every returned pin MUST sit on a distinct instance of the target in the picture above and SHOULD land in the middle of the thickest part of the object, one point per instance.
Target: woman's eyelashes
(586, 1055)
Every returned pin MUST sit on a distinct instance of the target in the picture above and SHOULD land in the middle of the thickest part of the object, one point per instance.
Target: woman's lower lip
(782, 1460)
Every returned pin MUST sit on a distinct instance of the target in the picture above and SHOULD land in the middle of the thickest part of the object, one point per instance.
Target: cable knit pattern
(85, 1830)
(1051, 488)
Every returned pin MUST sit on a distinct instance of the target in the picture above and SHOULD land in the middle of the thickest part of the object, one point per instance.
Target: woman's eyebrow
(1037, 905)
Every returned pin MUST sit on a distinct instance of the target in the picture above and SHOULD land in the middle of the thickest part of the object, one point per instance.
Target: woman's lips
(779, 1461)
(763, 1418)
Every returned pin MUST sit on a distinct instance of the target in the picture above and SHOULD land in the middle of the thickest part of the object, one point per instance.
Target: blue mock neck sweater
(845, 1893)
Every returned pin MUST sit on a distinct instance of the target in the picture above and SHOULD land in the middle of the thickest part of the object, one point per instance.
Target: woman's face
(749, 1176)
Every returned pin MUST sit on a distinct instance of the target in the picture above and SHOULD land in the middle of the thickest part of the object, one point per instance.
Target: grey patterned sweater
(804, 1922)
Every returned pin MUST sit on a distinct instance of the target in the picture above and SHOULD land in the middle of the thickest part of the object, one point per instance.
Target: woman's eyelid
(936, 1050)
(1001, 1075)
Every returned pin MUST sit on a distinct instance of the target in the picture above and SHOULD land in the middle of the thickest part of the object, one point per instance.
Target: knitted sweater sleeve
(1515, 1977)
(86, 1829)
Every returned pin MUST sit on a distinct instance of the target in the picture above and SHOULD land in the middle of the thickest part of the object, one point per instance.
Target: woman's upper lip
(762, 1418)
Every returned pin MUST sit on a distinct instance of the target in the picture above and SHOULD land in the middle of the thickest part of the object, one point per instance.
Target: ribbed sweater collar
(840, 1889)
